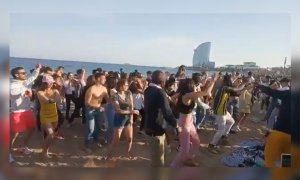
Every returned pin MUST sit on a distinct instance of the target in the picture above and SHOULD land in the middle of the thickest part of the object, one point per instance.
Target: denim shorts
(121, 121)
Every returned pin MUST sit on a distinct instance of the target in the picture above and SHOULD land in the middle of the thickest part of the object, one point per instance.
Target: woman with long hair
(49, 98)
(123, 120)
(187, 131)
(109, 109)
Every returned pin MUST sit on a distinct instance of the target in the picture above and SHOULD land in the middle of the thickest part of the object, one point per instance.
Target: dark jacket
(157, 110)
(283, 123)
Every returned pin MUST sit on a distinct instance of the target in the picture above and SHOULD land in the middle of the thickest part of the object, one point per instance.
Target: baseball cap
(48, 79)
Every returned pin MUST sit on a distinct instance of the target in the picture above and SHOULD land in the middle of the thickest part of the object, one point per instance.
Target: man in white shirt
(22, 117)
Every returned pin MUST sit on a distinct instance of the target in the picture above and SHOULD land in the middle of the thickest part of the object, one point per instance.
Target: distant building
(201, 56)
(245, 66)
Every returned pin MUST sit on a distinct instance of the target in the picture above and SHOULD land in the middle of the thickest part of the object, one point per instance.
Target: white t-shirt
(138, 101)
(68, 88)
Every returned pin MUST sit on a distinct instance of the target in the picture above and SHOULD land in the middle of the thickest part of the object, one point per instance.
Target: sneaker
(25, 151)
(58, 135)
(238, 128)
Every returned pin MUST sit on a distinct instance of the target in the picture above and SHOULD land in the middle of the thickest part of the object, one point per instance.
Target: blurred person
(181, 72)
(273, 109)
(123, 120)
(93, 109)
(109, 109)
(157, 112)
(22, 117)
(245, 105)
(137, 90)
(58, 85)
(223, 117)
(60, 70)
(79, 84)
(233, 101)
(69, 86)
(187, 131)
(89, 82)
(148, 78)
(36, 85)
(4, 114)
(49, 99)
(279, 139)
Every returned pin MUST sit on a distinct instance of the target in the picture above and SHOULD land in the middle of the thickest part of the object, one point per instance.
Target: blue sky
(97, 31)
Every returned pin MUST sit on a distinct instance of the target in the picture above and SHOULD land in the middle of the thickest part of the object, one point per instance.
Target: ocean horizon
(72, 66)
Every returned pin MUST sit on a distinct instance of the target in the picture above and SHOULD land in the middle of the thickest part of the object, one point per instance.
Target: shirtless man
(93, 99)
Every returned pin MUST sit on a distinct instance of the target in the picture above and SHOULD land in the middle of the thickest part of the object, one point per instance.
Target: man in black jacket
(157, 113)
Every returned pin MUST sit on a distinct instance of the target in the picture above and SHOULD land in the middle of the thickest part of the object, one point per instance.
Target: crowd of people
(164, 106)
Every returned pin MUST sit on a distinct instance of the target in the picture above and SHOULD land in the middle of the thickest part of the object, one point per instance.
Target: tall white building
(201, 56)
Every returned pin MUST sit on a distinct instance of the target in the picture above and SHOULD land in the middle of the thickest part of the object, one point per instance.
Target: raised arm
(32, 77)
(195, 95)
(274, 93)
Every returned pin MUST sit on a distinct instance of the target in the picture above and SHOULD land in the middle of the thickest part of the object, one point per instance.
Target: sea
(73, 66)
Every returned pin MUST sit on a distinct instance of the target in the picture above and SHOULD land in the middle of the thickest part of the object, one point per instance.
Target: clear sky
(153, 38)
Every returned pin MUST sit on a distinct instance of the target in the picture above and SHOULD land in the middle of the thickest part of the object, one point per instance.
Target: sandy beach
(69, 152)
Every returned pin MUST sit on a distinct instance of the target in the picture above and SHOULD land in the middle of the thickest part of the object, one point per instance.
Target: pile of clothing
(250, 153)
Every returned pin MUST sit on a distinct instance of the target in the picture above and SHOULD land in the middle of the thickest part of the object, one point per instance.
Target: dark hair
(111, 82)
(79, 71)
(47, 69)
(55, 76)
(227, 80)
(170, 82)
(124, 76)
(186, 86)
(60, 67)
(43, 86)
(121, 83)
(14, 71)
(158, 78)
(149, 72)
(99, 74)
(249, 73)
(196, 77)
(69, 73)
(180, 70)
(90, 81)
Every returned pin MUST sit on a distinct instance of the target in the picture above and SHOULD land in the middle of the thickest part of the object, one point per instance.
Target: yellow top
(48, 113)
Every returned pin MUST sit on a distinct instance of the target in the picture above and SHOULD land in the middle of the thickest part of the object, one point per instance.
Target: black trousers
(76, 112)
(69, 98)
(142, 113)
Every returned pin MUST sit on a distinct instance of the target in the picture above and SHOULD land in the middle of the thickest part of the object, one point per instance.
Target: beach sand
(69, 152)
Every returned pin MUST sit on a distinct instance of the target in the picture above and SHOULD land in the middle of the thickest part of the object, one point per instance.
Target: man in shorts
(22, 117)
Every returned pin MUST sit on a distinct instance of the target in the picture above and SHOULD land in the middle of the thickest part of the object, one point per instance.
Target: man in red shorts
(22, 117)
